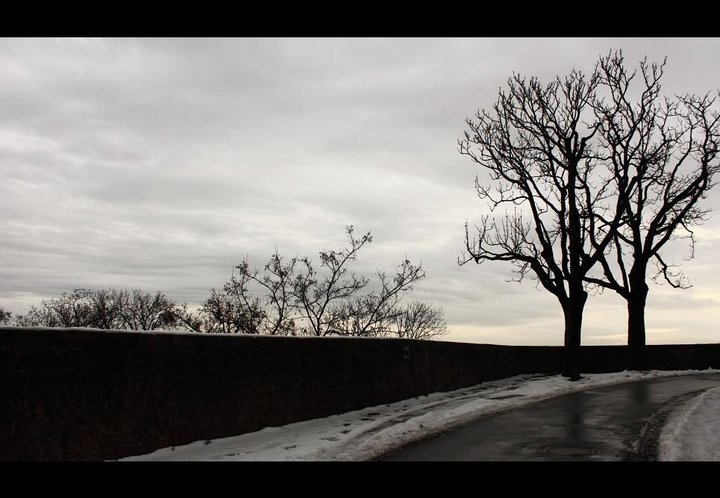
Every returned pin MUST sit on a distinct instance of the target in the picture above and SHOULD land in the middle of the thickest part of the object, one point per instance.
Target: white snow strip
(372, 432)
(692, 431)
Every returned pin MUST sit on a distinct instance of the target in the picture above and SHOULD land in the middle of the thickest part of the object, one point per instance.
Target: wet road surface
(618, 422)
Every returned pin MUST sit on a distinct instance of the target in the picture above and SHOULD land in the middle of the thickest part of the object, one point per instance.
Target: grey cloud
(161, 163)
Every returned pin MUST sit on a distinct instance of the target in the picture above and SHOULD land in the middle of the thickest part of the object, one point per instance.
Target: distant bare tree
(189, 320)
(374, 313)
(5, 316)
(420, 320)
(69, 310)
(142, 310)
(106, 308)
(316, 293)
(361, 316)
(277, 281)
(669, 149)
(298, 298)
(233, 310)
(36, 317)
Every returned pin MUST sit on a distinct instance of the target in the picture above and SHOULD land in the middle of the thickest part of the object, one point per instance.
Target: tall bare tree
(536, 144)
(668, 148)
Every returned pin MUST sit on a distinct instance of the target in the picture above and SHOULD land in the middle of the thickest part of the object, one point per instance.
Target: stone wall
(81, 394)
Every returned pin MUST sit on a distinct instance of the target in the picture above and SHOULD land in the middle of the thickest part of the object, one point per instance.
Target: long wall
(80, 394)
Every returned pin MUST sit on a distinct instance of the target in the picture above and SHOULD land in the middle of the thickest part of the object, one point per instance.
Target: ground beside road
(374, 432)
(620, 422)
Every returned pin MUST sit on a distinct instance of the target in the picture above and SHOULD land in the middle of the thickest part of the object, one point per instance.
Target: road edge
(645, 447)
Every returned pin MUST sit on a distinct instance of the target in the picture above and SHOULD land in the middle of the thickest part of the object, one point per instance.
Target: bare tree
(536, 144)
(189, 320)
(36, 317)
(106, 308)
(374, 313)
(296, 298)
(277, 280)
(668, 148)
(5, 316)
(69, 310)
(316, 293)
(232, 310)
(420, 320)
(142, 310)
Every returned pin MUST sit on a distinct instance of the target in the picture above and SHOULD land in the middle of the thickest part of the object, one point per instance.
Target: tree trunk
(573, 311)
(573, 307)
(636, 319)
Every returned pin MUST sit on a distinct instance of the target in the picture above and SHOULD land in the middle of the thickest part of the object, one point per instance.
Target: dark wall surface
(79, 394)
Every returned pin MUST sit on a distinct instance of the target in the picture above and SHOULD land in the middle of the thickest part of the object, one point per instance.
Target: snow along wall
(81, 394)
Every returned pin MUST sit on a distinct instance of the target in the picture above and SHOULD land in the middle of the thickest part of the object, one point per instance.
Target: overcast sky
(161, 163)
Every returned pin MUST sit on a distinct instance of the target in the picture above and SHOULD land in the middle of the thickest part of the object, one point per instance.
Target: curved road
(620, 422)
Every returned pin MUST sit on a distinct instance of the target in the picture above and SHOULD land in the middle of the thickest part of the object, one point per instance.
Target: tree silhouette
(536, 143)
(316, 290)
(142, 310)
(668, 148)
(277, 281)
(231, 310)
(296, 296)
(375, 313)
(104, 309)
(420, 320)
(5, 316)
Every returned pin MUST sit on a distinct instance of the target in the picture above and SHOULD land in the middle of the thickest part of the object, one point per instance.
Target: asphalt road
(620, 422)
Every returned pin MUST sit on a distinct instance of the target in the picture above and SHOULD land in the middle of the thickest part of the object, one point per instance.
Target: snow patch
(692, 432)
(375, 431)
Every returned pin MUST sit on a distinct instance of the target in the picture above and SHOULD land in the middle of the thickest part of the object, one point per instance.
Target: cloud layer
(161, 163)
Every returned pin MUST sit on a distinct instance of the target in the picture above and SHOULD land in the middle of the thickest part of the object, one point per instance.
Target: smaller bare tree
(69, 310)
(374, 313)
(5, 316)
(317, 293)
(420, 321)
(277, 280)
(189, 320)
(145, 311)
(234, 309)
(36, 317)
(295, 297)
(106, 308)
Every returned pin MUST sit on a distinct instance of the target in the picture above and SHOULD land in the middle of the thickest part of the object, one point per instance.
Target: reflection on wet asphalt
(597, 424)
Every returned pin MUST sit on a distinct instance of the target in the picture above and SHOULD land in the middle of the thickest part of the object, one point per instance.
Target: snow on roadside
(372, 432)
(692, 431)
